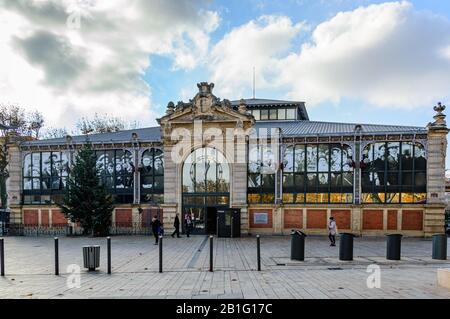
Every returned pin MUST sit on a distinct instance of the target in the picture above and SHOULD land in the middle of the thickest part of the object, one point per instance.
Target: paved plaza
(30, 269)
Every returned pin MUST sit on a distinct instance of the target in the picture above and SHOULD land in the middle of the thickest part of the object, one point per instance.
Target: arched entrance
(205, 187)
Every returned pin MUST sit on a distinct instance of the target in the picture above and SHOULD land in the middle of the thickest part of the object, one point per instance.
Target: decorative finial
(439, 118)
(170, 108)
(242, 106)
(439, 108)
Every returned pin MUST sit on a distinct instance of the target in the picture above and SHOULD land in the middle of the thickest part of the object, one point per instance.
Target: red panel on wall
(31, 217)
(293, 218)
(45, 220)
(58, 217)
(392, 220)
(372, 219)
(412, 220)
(316, 218)
(342, 218)
(124, 217)
(260, 218)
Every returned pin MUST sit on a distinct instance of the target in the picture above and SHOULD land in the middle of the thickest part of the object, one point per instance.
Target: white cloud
(67, 73)
(389, 55)
(259, 44)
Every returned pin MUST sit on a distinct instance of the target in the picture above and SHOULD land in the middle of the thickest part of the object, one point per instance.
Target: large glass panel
(27, 168)
(420, 162)
(290, 114)
(299, 164)
(323, 158)
(206, 170)
(407, 156)
(36, 172)
(268, 160)
(336, 158)
(273, 114)
(392, 156)
(254, 162)
(256, 115)
(281, 114)
(159, 162)
(288, 159)
(311, 158)
(264, 115)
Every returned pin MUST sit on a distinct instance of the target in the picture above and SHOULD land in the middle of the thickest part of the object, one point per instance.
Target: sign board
(260, 218)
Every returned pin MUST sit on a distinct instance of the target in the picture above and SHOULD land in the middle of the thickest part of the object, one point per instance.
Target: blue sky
(359, 61)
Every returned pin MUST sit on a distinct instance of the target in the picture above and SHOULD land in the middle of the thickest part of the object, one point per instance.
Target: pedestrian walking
(156, 228)
(188, 224)
(332, 231)
(176, 224)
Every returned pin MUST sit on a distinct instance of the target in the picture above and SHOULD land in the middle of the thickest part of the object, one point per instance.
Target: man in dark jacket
(176, 224)
(156, 227)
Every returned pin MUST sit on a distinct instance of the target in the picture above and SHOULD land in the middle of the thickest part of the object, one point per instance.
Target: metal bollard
(258, 251)
(2, 257)
(56, 256)
(211, 252)
(108, 248)
(232, 224)
(217, 226)
(160, 254)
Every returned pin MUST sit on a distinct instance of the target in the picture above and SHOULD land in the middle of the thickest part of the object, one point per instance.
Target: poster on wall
(260, 218)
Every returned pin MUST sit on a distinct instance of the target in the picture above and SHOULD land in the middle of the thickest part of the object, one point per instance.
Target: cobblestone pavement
(30, 268)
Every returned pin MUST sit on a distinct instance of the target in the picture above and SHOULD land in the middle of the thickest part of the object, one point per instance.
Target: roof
(288, 128)
(149, 134)
(314, 128)
(265, 102)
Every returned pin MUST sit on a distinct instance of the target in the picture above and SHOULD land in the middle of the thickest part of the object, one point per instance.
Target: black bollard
(108, 248)
(258, 251)
(56, 257)
(211, 252)
(160, 254)
(2, 257)
(217, 226)
(232, 224)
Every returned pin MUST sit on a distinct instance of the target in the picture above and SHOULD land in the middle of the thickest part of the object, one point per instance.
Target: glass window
(326, 173)
(281, 114)
(264, 115)
(290, 114)
(392, 172)
(152, 175)
(261, 174)
(273, 114)
(256, 114)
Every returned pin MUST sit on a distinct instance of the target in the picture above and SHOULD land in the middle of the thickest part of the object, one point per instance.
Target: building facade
(263, 157)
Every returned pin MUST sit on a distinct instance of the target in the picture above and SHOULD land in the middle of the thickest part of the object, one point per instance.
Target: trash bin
(394, 243)
(346, 247)
(297, 245)
(91, 257)
(440, 246)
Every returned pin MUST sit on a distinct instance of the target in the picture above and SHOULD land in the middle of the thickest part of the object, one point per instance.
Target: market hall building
(279, 171)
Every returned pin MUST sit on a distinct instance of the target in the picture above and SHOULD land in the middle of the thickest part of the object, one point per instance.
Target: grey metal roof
(262, 102)
(148, 134)
(288, 128)
(314, 128)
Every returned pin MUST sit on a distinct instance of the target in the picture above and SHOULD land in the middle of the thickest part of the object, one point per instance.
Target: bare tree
(103, 124)
(54, 132)
(35, 123)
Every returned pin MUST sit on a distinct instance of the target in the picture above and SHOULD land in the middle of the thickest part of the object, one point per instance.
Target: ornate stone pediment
(206, 107)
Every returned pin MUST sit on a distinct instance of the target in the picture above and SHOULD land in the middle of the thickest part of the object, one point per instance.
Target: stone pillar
(14, 182)
(437, 147)
(171, 189)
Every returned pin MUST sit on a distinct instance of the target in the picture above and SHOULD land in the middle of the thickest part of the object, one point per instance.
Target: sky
(357, 61)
